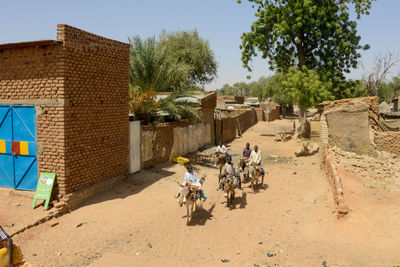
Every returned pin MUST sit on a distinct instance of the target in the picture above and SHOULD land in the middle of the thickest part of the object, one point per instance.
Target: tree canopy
(189, 48)
(152, 68)
(318, 34)
(306, 87)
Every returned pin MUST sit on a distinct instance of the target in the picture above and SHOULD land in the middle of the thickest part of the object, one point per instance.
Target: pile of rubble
(381, 171)
(307, 150)
(199, 158)
(283, 137)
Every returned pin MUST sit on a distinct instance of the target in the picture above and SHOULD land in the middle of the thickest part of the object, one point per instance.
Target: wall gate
(18, 158)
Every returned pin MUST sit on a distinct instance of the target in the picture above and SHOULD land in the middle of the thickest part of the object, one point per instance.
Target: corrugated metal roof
(191, 99)
(29, 44)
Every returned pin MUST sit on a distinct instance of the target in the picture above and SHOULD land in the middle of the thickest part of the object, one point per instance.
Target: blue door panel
(18, 124)
(24, 128)
(6, 171)
(25, 169)
(5, 123)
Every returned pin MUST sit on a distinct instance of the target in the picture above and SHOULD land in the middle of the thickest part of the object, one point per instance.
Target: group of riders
(251, 157)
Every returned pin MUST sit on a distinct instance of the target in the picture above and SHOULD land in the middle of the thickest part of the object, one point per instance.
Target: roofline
(29, 44)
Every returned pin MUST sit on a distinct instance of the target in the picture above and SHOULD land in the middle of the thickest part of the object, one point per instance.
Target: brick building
(69, 99)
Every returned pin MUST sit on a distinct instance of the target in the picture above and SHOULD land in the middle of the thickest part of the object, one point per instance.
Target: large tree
(189, 48)
(318, 34)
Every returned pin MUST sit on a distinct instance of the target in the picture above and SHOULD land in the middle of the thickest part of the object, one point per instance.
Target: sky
(221, 22)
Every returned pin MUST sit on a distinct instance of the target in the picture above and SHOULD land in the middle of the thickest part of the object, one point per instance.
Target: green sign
(44, 188)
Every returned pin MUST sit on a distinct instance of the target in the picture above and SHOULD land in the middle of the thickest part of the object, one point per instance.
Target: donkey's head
(228, 185)
(242, 164)
(186, 190)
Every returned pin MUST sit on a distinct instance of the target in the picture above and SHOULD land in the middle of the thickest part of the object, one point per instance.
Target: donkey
(243, 167)
(255, 174)
(191, 194)
(229, 185)
(219, 160)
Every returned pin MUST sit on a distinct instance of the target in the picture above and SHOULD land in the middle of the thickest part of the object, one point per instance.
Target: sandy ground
(290, 222)
(16, 209)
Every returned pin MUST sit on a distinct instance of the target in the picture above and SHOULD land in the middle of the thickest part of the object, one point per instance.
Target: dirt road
(292, 222)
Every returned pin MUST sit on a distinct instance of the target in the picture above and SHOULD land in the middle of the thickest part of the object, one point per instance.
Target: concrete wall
(135, 136)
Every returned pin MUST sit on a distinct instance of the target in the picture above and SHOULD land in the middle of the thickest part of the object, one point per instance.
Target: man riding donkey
(229, 169)
(243, 167)
(191, 178)
(221, 149)
(255, 161)
(219, 157)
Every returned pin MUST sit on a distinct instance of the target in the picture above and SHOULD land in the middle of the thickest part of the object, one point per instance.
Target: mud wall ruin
(350, 134)
(388, 142)
(350, 123)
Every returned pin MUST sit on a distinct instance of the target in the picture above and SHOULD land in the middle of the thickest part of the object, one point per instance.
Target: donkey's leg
(187, 213)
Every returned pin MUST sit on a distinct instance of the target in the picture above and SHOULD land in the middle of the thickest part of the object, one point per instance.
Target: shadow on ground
(134, 184)
(201, 216)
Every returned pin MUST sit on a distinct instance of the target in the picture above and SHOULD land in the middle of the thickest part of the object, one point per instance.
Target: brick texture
(226, 127)
(335, 181)
(31, 76)
(388, 141)
(96, 71)
(79, 87)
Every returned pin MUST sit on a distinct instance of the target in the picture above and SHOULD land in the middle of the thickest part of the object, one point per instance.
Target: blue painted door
(18, 158)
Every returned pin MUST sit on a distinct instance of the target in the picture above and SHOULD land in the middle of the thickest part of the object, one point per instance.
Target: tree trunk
(303, 131)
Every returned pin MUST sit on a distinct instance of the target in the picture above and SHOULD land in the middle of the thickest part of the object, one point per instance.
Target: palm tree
(152, 69)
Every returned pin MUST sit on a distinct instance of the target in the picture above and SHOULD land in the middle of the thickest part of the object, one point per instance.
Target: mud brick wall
(226, 128)
(260, 115)
(275, 113)
(229, 130)
(350, 124)
(246, 119)
(157, 143)
(208, 104)
(96, 86)
(388, 141)
(335, 181)
(161, 142)
(30, 76)
(372, 102)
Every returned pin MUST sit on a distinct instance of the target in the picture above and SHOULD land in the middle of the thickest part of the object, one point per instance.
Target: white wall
(135, 134)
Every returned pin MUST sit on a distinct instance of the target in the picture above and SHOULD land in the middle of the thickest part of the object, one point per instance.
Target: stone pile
(381, 171)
